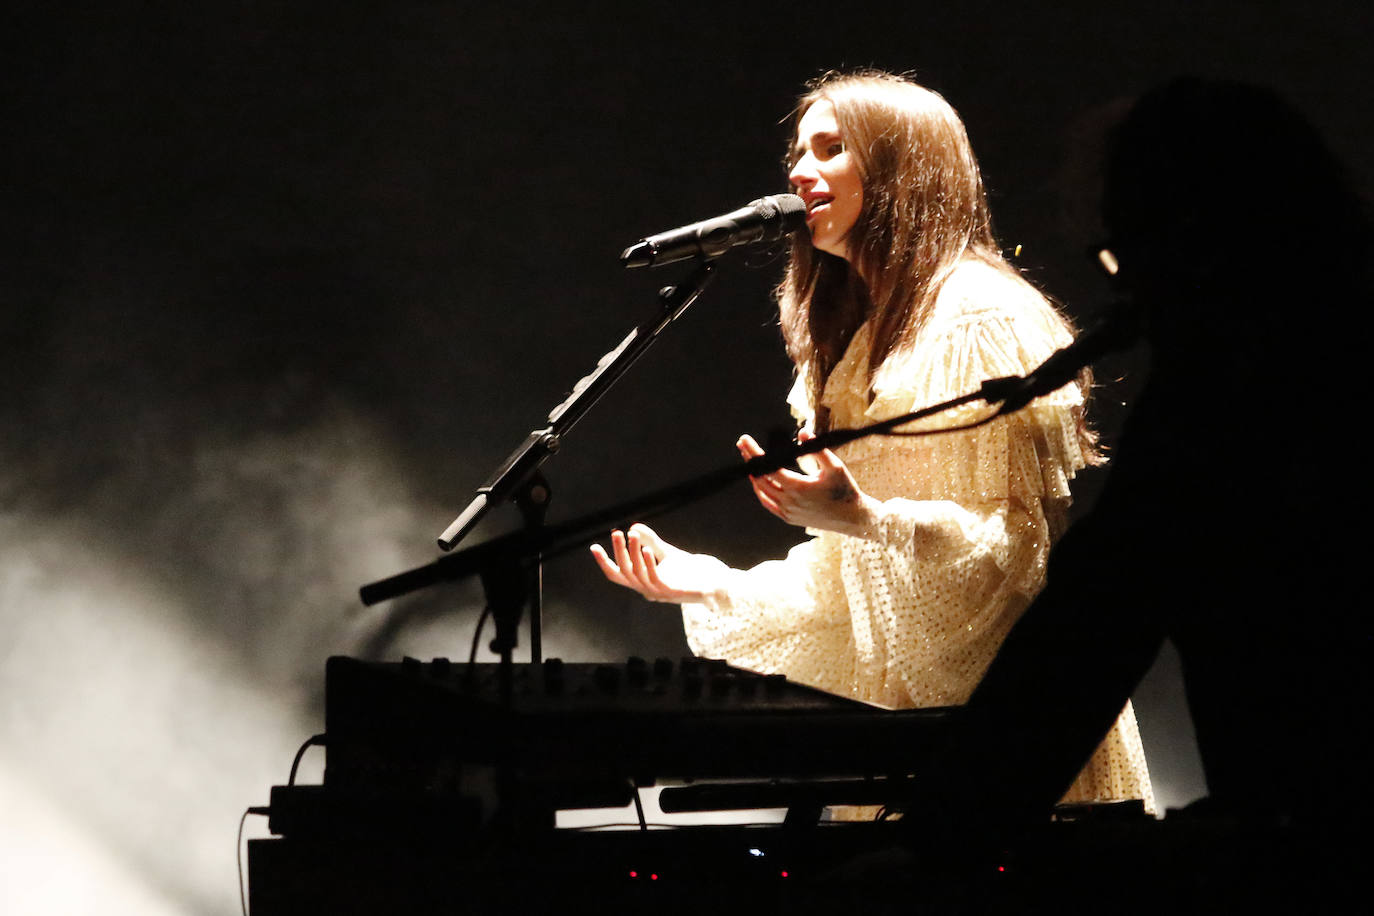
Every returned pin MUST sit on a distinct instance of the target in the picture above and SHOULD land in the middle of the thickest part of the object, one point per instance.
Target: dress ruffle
(1031, 454)
(912, 613)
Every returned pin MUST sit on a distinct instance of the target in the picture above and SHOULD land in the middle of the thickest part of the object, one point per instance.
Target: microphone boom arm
(554, 540)
(541, 443)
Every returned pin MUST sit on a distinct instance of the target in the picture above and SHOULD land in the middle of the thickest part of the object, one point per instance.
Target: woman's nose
(803, 174)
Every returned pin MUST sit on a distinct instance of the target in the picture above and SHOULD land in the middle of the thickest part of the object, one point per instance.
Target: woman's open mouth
(815, 206)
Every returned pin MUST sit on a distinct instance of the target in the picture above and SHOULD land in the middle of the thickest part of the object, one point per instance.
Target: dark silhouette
(1231, 522)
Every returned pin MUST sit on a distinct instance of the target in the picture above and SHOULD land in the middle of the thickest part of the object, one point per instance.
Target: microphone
(764, 220)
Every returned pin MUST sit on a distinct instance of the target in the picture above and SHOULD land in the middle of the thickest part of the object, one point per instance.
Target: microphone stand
(1120, 329)
(516, 579)
(555, 540)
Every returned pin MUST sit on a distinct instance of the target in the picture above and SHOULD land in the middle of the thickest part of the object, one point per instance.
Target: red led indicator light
(783, 873)
(653, 877)
(634, 874)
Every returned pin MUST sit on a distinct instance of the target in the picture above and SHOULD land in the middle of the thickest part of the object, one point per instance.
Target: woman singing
(924, 549)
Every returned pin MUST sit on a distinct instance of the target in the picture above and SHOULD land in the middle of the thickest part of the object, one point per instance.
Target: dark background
(282, 284)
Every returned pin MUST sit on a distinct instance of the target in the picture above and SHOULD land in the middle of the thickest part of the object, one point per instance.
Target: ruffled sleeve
(984, 327)
(780, 617)
(912, 613)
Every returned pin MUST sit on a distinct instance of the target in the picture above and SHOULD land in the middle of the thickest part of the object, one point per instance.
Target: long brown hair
(924, 210)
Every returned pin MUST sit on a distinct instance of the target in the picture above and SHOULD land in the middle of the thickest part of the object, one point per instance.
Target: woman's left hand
(829, 499)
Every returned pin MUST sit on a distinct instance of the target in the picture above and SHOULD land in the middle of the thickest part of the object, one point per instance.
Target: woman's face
(827, 178)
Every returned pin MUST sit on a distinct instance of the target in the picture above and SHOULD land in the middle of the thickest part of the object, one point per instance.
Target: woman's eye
(834, 149)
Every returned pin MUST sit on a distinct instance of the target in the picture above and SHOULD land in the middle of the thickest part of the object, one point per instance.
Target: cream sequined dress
(912, 613)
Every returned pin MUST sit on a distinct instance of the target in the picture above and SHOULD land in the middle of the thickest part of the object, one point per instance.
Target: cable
(639, 806)
(266, 811)
(321, 740)
(477, 633)
(944, 429)
(621, 825)
(654, 825)
(238, 853)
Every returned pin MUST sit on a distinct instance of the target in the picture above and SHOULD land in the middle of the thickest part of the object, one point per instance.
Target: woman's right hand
(643, 561)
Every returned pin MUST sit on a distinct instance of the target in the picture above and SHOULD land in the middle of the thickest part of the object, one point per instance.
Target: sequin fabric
(911, 614)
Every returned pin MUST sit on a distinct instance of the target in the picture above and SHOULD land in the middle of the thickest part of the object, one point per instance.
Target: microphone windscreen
(790, 204)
